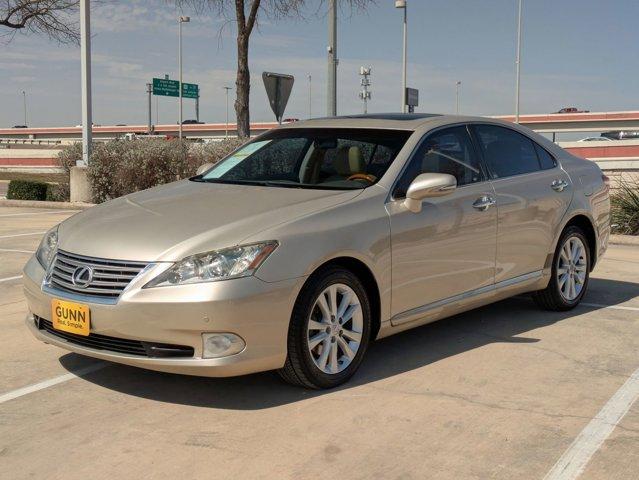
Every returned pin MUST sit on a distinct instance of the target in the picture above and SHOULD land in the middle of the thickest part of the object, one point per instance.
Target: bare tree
(55, 19)
(245, 14)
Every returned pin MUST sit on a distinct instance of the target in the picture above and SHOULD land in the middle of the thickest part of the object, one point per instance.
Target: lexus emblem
(82, 277)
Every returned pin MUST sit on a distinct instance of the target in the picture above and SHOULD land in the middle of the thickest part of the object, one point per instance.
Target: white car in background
(595, 139)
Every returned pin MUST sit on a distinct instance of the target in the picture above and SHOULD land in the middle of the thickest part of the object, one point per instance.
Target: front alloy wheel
(329, 330)
(335, 326)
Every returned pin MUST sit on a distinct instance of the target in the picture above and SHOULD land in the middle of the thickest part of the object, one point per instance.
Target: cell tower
(365, 94)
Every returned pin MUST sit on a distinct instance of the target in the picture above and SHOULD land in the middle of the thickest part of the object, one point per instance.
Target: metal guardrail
(28, 141)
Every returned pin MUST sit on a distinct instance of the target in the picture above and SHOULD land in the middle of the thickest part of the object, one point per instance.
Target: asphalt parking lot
(505, 391)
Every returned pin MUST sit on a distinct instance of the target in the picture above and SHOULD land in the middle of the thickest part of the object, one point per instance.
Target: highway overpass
(34, 149)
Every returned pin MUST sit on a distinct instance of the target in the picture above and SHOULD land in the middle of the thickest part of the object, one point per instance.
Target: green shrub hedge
(120, 167)
(625, 208)
(28, 190)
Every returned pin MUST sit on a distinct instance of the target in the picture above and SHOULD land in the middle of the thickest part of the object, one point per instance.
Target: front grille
(118, 345)
(110, 277)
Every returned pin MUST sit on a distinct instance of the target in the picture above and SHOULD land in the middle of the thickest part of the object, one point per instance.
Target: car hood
(172, 221)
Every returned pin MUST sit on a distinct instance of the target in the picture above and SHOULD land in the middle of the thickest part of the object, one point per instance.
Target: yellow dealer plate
(70, 317)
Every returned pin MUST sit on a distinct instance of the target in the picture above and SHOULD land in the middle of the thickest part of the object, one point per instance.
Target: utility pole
(149, 91)
(197, 107)
(310, 96)
(24, 104)
(457, 87)
(518, 64)
(365, 94)
(85, 56)
(402, 4)
(226, 132)
(181, 20)
(331, 108)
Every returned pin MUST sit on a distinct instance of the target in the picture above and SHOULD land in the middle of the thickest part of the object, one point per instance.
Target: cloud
(24, 79)
(145, 16)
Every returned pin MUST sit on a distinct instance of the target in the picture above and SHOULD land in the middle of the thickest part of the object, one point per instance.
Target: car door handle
(559, 185)
(484, 202)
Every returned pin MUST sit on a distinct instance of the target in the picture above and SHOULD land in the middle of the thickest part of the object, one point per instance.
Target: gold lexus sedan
(314, 239)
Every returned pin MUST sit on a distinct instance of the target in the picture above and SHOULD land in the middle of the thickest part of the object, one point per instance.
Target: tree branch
(53, 18)
(255, 6)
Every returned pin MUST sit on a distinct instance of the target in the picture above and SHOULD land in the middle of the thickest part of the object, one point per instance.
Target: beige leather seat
(349, 161)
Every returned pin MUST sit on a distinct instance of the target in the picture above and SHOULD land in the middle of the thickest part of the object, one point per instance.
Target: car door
(532, 194)
(448, 248)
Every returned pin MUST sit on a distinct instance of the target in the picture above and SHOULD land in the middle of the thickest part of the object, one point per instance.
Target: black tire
(551, 298)
(300, 369)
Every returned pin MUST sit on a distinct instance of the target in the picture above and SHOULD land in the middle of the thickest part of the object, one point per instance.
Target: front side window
(506, 152)
(445, 151)
(312, 158)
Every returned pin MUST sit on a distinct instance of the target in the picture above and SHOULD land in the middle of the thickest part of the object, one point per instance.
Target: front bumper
(257, 311)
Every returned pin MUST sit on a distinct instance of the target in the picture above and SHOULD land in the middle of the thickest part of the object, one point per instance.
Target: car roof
(393, 121)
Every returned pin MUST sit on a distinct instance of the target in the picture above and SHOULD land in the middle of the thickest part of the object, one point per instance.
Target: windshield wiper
(274, 183)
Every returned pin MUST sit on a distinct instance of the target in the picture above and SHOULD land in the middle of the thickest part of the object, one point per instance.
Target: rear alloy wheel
(572, 269)
(570, 273)
(329, 330)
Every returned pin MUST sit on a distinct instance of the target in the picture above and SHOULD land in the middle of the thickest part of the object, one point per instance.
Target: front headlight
(232, 262)
(47, 248)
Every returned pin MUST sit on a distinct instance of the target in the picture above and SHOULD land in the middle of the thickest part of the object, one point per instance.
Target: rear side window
(546, 160)
(507, 152)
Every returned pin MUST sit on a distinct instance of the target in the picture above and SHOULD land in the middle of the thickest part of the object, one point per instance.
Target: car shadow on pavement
(504, 322)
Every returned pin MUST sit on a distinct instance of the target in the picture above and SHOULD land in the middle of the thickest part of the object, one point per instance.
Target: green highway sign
(190, 90)
(166, 87)
(170, 88)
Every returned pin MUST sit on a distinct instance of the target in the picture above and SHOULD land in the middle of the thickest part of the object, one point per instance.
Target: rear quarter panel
(591, 198)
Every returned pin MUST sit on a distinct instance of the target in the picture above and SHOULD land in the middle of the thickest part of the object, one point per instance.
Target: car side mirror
(203, 168)
(428, 185)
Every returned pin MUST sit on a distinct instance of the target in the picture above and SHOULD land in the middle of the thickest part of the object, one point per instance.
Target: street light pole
(310, 96)
(149, 92)
(24, 104)
(457, 87)
(181, 20)
(331, 108)
(85, 56)
(226, 132)
(402, 4)
(518, 63)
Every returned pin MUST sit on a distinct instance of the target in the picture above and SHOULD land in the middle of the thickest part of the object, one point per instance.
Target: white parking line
(614, 307)
(574, 460)
(5, 397)
(22, 235)
(38, 213)
(8, 279)
(13, 250)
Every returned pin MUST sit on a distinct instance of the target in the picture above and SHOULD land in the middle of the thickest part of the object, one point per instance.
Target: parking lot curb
(624, 240)
(45, 204)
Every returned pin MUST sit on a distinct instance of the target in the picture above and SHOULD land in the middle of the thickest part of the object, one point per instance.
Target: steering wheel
(363, 176)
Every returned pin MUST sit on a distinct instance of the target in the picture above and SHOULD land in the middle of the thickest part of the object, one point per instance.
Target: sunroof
(394, 116)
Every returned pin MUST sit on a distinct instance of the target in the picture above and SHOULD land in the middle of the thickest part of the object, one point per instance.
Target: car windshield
(327, 158)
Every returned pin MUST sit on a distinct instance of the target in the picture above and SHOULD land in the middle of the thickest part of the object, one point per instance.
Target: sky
(575, 53)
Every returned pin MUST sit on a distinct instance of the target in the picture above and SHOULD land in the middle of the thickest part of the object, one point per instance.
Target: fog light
(215, 345)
